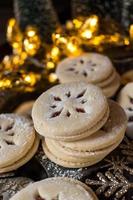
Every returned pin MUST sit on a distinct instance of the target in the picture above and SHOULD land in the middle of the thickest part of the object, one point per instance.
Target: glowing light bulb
(126, 41)
(5, 83)
(31, 78)
(131, 31)
(52, 78)
(93, 20)
(86, 34)
(50, 65)
(77, 23)
(31, 33)
(55, 52)
(71, 47)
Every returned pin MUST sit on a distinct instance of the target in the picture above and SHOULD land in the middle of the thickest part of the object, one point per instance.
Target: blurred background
(6, 12)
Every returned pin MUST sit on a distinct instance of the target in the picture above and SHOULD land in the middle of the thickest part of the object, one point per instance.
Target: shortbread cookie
(24, 159)
(92, 149)
(127, 77)
(90, 68)
(17, 136)
(110, 90)
(70, 111)
(125, 99)
(25, 108)
(56, 188)
(78, 163)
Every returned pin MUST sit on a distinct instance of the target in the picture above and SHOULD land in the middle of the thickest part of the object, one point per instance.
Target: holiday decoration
(127, 149)
(111, 184)
(84, 34)
(121, 11)
(77, 36)
(9, 186)
(42, 15)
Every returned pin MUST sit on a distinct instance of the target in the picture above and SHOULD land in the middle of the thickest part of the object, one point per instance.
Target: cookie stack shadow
(80, 126)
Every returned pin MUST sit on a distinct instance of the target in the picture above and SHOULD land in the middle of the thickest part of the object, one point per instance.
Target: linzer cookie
(70, 111)
(92, 149)
(125, 99)
(18, 141)
(90, 68)
(56, 188)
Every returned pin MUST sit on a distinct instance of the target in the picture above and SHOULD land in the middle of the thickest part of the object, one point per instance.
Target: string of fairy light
(69, 40)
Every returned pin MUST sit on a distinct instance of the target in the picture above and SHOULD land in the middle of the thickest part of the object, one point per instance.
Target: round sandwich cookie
(91, 68)
(92, 149)
(70, 111)
(56, 188)
(25, 108)
(125, 99)
(111, 89)
(17, 139)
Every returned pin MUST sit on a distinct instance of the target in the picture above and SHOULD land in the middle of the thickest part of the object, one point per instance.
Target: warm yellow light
(89, 27)
(5, 83)
(62, 40)
(16, 60)
(50, 65)
(12, 22)
(55, 36)
(97, 40)
(55, 52)
(69, 25)
(93, 20)
(7, 62)
(86, 34)
(131, 31)
(31, 33)
(31, 46)
(30, 79)
(16, 45)
(77, 23)
(52, 78)
(13, 32)
(23, 55)
(6, 59)
(27, 79)
(126, 41)
(115, 38)
(71, 47)
(26, 42)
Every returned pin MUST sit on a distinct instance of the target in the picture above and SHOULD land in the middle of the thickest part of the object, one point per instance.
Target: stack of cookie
(56, 188)
(79, 125)
(91, 68)
(18, 141)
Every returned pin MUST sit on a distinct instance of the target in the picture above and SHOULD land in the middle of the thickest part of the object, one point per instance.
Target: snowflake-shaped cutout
(6, 135)
(62, 106)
